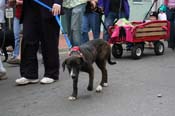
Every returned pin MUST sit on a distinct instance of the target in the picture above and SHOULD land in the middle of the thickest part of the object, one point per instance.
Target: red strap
(75, 48)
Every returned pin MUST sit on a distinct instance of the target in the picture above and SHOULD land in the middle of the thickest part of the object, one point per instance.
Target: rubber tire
(135, 49)
(117, 50)
(159, 48)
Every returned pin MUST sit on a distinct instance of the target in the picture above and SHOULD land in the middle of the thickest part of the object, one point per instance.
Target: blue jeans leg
(16, 29)
(90, 21)
(85, 29)
(95, 24)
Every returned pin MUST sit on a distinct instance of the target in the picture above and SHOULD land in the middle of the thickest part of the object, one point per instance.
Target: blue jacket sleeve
(100, 3)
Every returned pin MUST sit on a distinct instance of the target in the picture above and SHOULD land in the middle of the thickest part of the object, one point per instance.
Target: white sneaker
(47, 80)
(24, 81)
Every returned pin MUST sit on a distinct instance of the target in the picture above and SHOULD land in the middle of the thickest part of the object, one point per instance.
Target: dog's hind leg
(104, 80)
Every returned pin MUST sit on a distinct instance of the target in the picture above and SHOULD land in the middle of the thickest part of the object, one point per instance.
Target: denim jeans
(90, 21)
(73, 18)
(109, 21)
(16, 30)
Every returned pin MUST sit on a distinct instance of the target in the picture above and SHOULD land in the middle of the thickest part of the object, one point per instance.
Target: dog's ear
(84, 60)
(63, 64)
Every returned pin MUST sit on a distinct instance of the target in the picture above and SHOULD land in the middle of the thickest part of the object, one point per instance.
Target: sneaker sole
(31, 82)
(47, 82)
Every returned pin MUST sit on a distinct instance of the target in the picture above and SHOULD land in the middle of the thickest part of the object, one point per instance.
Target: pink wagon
(137, 35)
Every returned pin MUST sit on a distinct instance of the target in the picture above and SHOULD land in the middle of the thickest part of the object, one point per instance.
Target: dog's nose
(73, 75)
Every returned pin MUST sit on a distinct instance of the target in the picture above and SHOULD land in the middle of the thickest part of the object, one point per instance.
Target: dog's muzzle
(72, 74)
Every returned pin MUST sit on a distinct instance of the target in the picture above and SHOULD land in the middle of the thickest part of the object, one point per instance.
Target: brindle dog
(82, 59)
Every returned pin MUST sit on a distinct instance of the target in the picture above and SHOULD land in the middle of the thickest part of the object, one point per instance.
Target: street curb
(63, 51)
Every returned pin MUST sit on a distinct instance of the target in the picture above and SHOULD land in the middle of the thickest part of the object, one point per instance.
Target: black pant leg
(49, 45)
(30, 42)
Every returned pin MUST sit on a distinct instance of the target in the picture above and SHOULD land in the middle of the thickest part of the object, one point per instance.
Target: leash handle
(149, 10)
(58, 21)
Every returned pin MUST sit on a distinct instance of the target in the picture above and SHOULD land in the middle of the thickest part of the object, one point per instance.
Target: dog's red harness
(75, 49)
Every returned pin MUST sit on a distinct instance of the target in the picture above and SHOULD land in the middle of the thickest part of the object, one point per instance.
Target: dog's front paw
(99, 88)
(89, 88)
(72, 98)
(105, 84)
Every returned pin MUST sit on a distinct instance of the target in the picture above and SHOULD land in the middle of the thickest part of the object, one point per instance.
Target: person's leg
(171, 41)
(30, 43)
(49, 45)
(16, 29)
(174, 29)
(109, 20)
(68, 17)
(76, 22)
(85, 29)
(95, 24)
(29, 48)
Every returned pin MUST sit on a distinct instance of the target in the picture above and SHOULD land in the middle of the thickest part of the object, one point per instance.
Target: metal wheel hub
(160, 48)
(138, 52)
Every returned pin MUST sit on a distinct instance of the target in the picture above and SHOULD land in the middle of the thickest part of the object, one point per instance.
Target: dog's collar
(75, 49)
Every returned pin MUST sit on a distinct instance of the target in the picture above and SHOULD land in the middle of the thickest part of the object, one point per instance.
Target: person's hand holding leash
(56, 9)
(94, 4)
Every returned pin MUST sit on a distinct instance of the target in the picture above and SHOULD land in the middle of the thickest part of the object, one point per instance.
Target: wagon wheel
(159, 48)
(117, 50)
(137, 51)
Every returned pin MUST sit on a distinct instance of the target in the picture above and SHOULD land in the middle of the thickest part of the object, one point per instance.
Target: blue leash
(58, 21)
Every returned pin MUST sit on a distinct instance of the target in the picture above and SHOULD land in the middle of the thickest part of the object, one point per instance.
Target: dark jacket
(31, 6)
(105, 4)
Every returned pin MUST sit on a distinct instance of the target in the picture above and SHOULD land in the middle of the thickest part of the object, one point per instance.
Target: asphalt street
(144, 87)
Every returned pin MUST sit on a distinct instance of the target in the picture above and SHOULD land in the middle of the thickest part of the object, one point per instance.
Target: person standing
(2, 17)
(91, 20)
(113, 9)
(16, 30)
(171, 17)
(39, 26)
(2, 23)
(73, 11)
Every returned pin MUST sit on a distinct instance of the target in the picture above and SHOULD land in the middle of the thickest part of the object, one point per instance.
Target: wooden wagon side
(151, 31)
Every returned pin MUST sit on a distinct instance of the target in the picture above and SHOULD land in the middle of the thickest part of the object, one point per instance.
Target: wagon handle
(149, 10)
